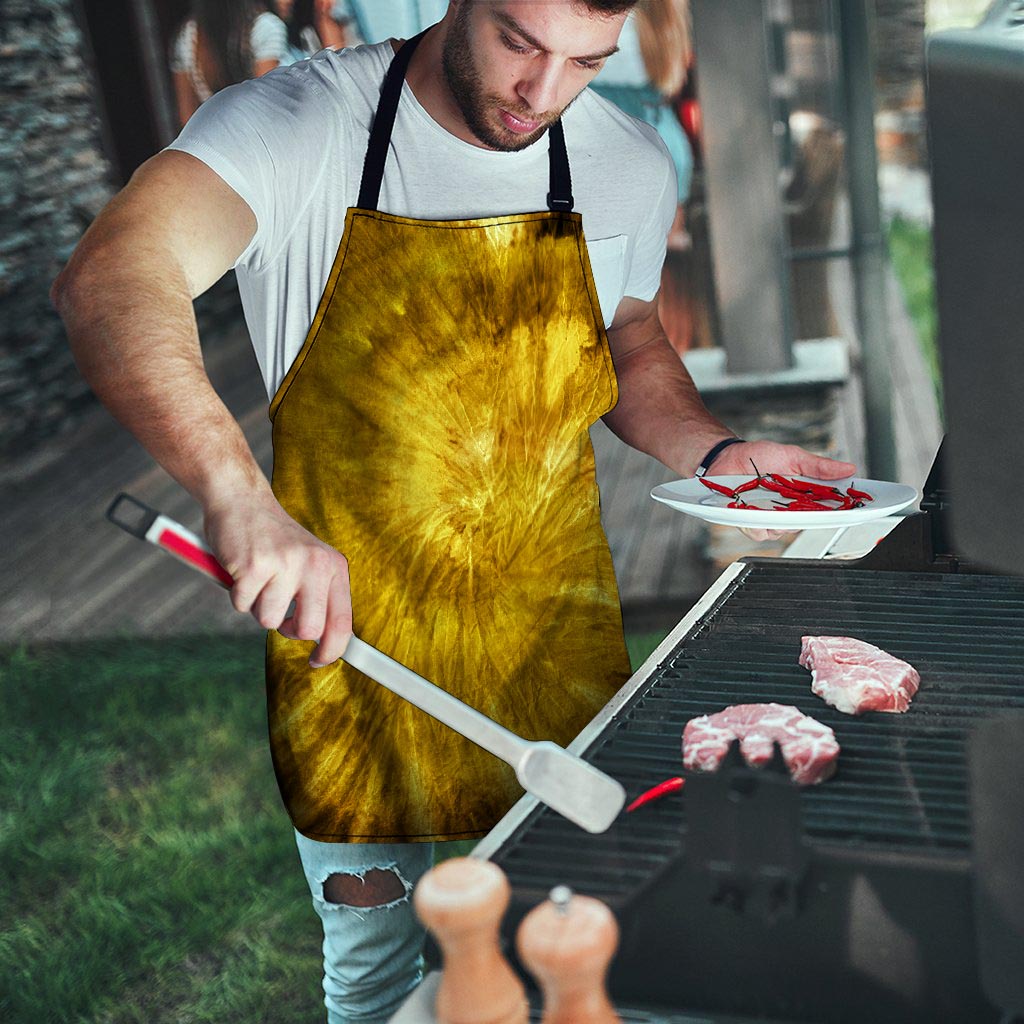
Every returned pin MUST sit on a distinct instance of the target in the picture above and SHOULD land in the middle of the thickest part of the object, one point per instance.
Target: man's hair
(609, 6)
(599, 7)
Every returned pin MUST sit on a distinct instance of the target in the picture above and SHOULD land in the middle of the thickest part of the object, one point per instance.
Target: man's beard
(463, 80)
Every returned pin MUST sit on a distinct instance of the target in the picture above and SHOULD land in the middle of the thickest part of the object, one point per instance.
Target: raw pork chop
(855, 677)
(809, 748)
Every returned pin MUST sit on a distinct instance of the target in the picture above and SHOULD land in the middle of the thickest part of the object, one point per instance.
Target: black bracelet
(705, 463)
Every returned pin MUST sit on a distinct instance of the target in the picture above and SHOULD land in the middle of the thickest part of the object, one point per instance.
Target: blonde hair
(666, 44)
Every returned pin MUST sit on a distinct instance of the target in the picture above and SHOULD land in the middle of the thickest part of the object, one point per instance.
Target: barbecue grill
(893, 892)
(849, 901)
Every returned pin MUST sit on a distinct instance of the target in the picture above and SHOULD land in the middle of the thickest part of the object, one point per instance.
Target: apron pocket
(608, 264)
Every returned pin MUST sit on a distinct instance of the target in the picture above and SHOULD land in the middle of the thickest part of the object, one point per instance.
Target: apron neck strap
(559, 197)
(383, 122)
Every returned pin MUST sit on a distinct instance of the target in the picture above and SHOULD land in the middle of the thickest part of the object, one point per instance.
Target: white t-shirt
(292, 144)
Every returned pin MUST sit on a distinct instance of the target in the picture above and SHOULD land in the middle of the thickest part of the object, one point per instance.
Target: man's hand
(275, 561)
(771, 457)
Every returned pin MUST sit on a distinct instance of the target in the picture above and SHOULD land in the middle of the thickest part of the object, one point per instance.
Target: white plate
(693, 498)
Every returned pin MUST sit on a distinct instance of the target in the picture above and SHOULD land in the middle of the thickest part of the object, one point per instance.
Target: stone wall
(54, 178)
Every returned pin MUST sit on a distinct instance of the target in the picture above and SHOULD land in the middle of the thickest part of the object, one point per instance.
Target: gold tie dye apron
(434, 429)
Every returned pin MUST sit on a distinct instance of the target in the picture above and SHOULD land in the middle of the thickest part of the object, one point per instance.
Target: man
(433, 478)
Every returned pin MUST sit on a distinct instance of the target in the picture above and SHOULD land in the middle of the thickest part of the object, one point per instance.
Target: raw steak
(809, 748)
(855, 677)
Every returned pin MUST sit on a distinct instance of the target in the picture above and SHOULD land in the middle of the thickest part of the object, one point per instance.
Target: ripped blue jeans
(372, 954)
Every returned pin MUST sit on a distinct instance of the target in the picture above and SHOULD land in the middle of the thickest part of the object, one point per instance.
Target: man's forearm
(133, 333)
(660, 411)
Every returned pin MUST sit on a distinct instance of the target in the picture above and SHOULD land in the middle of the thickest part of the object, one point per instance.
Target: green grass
(148, 872)
(910, 246)
(642, 646)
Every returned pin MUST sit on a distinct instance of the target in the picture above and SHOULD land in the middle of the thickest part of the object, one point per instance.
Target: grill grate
(902, 779)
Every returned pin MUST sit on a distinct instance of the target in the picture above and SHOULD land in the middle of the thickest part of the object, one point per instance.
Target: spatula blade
(567, 784)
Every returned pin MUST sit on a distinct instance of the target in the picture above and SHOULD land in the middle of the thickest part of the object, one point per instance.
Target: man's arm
(661, 413)
(126, 300)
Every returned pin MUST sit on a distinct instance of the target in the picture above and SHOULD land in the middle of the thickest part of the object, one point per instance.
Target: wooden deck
(70, 574)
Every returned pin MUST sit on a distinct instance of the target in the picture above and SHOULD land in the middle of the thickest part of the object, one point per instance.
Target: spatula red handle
(147, 524)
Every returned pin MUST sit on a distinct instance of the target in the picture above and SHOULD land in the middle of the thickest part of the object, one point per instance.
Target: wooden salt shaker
(462, 902)
(567, 943)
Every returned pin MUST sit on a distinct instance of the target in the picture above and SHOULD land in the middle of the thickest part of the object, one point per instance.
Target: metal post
(868, 239)
(748, 236)
(154, 64)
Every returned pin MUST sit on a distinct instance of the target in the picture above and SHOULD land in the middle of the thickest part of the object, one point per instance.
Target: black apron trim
(383, 122)
(559, 197)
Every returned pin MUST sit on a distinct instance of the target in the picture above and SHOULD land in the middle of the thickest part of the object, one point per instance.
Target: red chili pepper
(788, 492)
(773, 485)
(815, 490)
(721, 488)
(793, 485)
(656, 792)
(749, 485)
(740, 503)
(863, 495)
(806, 506)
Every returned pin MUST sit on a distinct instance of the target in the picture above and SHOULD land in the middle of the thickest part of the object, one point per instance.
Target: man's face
(513, 66)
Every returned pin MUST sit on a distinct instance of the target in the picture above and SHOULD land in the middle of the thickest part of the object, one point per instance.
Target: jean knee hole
(377, 887)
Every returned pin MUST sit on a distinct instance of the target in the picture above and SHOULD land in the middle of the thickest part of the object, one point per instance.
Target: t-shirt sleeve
(651, 240)
(268, 139)
(269, 38)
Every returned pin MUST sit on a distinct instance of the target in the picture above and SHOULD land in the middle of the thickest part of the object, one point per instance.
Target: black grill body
(748, 896)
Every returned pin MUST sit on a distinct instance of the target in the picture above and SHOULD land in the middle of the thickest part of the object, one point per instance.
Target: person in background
(644, 79)
(648, 73)
(314, 25)
(373, 21)
(221, 43)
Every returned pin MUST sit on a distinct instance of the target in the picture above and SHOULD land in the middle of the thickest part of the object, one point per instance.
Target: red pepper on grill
(656, 792)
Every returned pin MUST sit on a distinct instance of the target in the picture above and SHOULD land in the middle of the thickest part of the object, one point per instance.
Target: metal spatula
(566, 783)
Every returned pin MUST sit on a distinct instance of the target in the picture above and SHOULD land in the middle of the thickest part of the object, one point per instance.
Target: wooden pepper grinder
(567, 943)
(462, 901)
